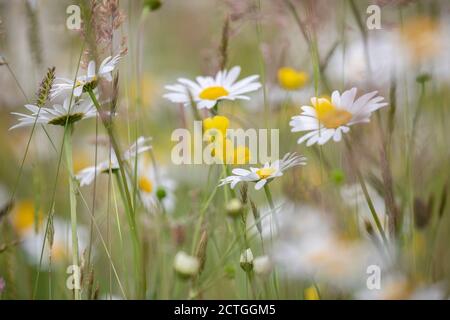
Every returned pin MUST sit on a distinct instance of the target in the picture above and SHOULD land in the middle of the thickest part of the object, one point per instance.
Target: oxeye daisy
(88, 81)
(329, 118)
(207, 91)
(155, 186)
(87, 175)
(57, 115)
(61, 247)
(264, 174)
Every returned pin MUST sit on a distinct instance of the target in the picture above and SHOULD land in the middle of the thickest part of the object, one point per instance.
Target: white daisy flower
(265, 174)
(61, 250)
(155, 187)
(207, 91)
(329, 119)
(58, 114)
(65, 86)
(87, 175)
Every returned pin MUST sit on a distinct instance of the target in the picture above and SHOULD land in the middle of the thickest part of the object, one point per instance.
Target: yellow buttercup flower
(291, 79)
(311, 293)
(215, 125)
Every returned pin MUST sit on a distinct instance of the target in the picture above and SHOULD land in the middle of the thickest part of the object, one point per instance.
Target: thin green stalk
(366, 195)
(73, 203)
(126, 197)
(272, 208)
(134, 237)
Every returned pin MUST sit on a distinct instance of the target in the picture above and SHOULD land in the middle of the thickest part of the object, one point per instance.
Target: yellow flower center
(264, 173)
(24, 217)
(58, 252)
(213, 93)
(330, 116)
(145, 185)
(291, 79)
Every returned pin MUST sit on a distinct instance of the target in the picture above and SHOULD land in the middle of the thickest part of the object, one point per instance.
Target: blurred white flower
(262, 265)
(65, 86)
(309, 248)
(329, 119)
(155, 187)
(207, 91)
(397, 287)
(61, 250)
(58, 114)
(353, 197)
(87, 175)
(265, 174)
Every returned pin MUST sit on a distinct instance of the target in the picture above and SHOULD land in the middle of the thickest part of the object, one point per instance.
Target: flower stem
(73, 206)
(126, 197)
(272, 208)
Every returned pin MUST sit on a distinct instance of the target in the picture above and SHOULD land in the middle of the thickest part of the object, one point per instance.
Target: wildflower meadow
(224, 149)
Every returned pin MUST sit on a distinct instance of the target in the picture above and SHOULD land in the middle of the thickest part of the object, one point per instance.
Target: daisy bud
(161, 193)
(262, 265)
(234, 208)
(246, 260)
(422, 78)
(153, 4)
(185, 265)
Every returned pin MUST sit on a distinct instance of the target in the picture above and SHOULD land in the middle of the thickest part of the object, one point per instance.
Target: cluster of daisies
(324, 119)
(72, 101)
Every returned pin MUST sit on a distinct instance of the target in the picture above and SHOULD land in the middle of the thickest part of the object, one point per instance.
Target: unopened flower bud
(262, 265)
(234, 208)
(185, 265)
(161, 193)
(246, 260)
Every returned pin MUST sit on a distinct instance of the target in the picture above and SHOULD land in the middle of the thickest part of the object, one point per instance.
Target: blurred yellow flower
(24, 217)
(242, 155)
(421, 36)
(80, 161)
(212, 127)
(291, 79)
(146, 91)
(311, 293)
(227, 153)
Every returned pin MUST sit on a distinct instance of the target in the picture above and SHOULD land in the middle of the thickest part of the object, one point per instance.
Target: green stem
(272, 208)
(73, 204)
(126, 197)
(138, 266)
